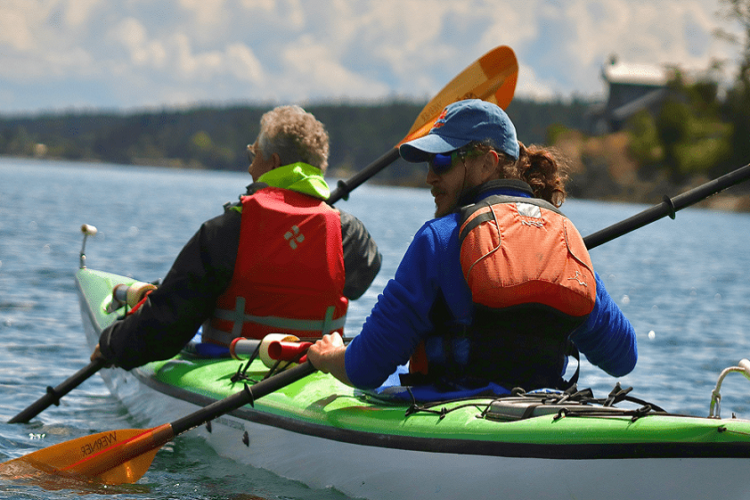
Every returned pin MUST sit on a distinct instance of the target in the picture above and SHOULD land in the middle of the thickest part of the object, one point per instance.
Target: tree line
(215, 137)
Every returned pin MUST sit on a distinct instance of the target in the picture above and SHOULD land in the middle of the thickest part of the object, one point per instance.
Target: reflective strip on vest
(239, 318)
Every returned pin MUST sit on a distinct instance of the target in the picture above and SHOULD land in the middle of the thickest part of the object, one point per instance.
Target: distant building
(631, 88)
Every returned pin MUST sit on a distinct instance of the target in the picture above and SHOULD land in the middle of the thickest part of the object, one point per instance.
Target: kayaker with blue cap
(495, 292)
(281, 260)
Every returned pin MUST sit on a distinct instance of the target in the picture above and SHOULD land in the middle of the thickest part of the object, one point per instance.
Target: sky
(131, 55)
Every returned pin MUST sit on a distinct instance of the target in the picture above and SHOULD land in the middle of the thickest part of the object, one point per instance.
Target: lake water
(683, 284)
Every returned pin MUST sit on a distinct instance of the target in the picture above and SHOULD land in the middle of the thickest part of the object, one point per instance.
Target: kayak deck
(319, 405)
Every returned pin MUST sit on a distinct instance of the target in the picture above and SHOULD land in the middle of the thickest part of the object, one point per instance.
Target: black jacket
(202, 271)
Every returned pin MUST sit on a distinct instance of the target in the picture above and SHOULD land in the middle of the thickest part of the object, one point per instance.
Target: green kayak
(328, 435)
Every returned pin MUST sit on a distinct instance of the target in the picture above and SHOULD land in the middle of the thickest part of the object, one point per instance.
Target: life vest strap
(238, 318)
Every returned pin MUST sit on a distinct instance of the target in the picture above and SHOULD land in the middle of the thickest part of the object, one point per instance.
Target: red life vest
(532, 282)
(289, 275)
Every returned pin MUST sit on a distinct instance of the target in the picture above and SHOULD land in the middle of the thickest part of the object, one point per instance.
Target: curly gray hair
(295, 135)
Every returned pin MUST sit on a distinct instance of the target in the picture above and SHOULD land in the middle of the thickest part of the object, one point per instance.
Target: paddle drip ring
(54, 395)
(670, 206)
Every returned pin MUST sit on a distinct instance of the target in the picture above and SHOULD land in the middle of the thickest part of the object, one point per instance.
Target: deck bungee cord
(521, 405)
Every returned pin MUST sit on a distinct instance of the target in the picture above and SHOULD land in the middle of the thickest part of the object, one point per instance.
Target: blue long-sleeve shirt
(431, 265)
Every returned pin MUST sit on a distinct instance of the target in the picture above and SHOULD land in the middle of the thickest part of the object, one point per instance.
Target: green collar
(299, 177)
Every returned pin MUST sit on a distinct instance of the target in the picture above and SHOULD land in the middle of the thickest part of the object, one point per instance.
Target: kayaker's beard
(448, 206)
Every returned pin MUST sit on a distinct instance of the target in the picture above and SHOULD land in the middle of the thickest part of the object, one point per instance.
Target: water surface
(682, 283)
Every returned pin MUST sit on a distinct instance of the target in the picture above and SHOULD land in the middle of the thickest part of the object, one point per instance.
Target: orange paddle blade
(110, 457)
(491, 78)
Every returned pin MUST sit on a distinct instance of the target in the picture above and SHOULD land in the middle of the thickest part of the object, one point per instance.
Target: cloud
(243, 64)
(174, 52)
(206, 12)
(316, 70)
(79, 12)
(16, 25)
(573, 39)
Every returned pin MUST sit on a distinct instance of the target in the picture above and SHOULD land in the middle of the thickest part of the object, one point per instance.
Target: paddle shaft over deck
(144, 445)
(247, 396)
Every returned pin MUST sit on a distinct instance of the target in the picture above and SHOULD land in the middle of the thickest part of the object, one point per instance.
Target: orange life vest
(532, 282)
(523, 251)
(289, 275)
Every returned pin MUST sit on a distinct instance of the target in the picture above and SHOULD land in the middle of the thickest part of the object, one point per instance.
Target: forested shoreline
(215, 138)
(636, 164)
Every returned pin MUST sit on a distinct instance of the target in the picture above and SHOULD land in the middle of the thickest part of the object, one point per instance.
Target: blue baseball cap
(460, 123)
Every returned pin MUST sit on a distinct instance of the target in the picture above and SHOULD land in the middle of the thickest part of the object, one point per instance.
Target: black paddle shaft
(668, 207)
(248, 395)
(343, 188)
(53, 395)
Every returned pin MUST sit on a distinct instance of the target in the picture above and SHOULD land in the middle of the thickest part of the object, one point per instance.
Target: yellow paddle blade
(110, 457)
(491, 78)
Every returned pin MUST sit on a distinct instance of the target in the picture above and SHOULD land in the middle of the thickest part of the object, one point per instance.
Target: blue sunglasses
(442, 163)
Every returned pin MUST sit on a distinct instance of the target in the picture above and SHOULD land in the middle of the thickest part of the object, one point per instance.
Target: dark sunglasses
(250, 153)
(442, 163)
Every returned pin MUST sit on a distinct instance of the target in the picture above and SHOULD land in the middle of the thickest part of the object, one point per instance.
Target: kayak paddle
(491, 78)
(668, 207)
(52, 397)
(124, 456)
(116, 457)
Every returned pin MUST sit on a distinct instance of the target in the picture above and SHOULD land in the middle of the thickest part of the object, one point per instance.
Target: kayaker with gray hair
(499, 289)
(279, 260)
